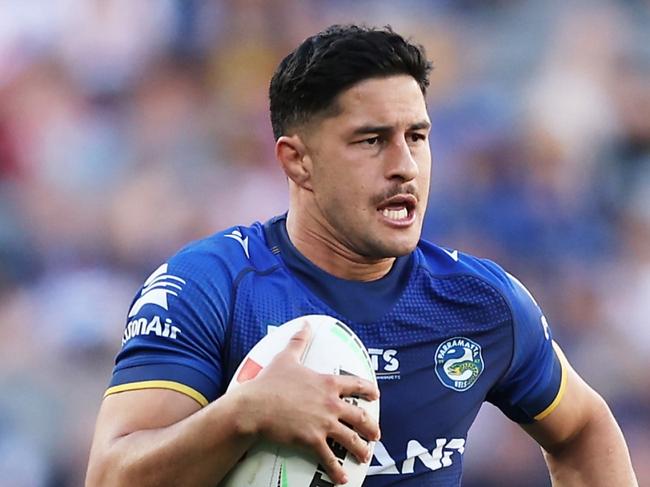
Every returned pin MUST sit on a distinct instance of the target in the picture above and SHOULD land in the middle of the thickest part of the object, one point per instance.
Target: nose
(401, 163)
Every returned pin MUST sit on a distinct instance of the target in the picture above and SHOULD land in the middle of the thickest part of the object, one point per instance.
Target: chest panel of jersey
(421, 418)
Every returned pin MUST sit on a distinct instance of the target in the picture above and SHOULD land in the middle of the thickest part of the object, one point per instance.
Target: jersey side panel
(536, 379)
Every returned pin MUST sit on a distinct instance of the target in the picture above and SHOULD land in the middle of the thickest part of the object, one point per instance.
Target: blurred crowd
(130, 128)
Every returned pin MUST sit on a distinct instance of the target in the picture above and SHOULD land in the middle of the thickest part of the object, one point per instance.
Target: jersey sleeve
(175, 331)
(534, 383)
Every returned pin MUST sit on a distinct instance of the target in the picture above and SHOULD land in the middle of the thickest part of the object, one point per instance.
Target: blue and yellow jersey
(446, 331)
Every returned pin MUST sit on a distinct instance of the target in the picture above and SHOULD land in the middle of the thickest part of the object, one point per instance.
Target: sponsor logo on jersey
(385, 363)
(458, 363)
(243, 241)
(451, 253)
(439, 457)
(156, 326)
(156, 289)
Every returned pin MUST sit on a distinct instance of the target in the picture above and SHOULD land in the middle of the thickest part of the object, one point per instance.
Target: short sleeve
(534, 383)
(175, 330)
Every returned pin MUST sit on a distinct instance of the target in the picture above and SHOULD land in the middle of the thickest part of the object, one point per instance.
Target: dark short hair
(309, 79)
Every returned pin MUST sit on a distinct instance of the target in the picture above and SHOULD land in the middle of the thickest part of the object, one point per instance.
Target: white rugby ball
(334, 349)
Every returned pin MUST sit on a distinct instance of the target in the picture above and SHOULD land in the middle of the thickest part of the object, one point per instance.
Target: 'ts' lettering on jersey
(446, 331)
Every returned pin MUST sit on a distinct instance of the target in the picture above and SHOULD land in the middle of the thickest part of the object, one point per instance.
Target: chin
(385, 243)
(398, 248)
(404, 249)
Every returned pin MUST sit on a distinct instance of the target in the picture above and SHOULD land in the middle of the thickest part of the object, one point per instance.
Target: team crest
(459, 363)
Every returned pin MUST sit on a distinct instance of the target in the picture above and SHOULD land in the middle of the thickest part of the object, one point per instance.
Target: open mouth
(399, 210)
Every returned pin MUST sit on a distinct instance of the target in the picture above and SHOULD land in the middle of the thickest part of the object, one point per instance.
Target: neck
(318, 243)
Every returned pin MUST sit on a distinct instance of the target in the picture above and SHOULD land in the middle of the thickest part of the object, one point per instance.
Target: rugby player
(447, 331)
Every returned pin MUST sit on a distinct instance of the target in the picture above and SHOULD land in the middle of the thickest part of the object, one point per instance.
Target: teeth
(400, 214)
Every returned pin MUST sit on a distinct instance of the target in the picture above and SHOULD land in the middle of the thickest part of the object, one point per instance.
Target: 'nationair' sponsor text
(156, 327)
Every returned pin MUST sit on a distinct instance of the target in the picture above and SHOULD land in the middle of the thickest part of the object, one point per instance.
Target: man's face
(371, 167)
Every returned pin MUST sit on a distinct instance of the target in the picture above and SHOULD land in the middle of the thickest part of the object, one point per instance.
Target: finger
(345, 438)
(351, 385)
(359, 420)
(299, 341)
(330, 463)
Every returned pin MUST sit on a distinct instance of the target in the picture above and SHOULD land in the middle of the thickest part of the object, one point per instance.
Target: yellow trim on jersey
(560, 393)
(159, 384)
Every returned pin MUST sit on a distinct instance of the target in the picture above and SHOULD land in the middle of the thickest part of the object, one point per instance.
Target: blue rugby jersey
(446, 331)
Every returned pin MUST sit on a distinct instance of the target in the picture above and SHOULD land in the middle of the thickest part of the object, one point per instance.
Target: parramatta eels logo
(459, 363)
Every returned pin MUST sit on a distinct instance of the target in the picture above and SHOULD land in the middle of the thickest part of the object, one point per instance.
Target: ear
(296, 162)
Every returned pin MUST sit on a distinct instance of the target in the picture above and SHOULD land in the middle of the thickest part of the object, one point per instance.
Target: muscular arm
(581, 441)
(159, 437)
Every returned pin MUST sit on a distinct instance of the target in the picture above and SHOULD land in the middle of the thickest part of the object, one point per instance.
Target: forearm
(595, 456)
(196, 451)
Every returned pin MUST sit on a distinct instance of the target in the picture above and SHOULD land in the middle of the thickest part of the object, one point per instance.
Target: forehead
(393, 100)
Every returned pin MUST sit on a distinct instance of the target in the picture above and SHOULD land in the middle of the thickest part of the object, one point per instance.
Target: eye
(371, 141)
(417, 137)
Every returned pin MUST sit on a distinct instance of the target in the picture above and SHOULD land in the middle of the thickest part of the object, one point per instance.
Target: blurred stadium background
(128, 128)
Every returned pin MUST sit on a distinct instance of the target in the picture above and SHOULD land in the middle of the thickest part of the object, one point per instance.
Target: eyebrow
(382, 129)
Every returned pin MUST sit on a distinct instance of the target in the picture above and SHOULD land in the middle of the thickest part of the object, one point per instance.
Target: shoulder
(206, 270)
(225, 254)
(199, 281)
(444, 263)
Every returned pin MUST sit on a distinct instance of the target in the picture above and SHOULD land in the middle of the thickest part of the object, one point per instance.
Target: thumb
(299, 342)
